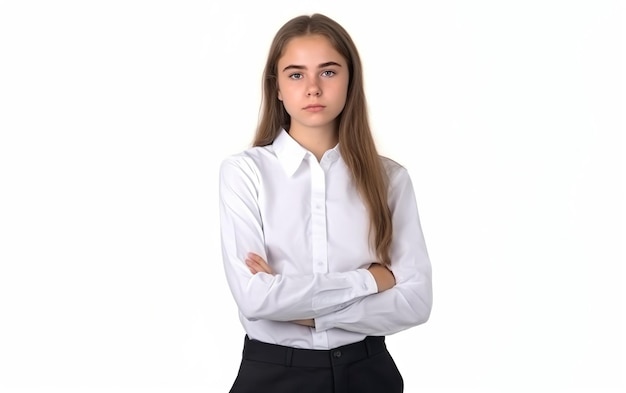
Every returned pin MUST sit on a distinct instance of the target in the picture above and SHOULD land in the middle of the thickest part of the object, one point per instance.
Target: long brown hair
(355, 137)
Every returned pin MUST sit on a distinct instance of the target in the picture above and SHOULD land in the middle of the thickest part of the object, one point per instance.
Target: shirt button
(337, 354)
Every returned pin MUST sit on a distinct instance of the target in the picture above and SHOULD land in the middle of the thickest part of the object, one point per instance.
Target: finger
(253, 266)
(260, 262)
(255, 257)
(258, 266)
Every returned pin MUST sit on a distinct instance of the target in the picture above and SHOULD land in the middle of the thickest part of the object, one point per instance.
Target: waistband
(296, 357)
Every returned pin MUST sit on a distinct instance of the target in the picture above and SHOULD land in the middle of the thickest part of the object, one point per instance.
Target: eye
(328, 73)
(296, 75)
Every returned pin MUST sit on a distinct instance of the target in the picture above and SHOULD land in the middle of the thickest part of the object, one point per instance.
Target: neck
(316, 140)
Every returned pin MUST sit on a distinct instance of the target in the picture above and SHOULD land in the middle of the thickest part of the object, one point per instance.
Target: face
(312, 83)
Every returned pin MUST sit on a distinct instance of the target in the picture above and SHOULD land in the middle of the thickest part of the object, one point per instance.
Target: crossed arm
(384, 278)
(391, 301)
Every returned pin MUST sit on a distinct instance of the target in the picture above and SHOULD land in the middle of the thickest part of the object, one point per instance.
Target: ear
(280, 96)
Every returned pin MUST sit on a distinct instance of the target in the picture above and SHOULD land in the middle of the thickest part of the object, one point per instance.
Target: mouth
(314, 108)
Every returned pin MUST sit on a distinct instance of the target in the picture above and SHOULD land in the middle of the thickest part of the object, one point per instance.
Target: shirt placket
(318, 231)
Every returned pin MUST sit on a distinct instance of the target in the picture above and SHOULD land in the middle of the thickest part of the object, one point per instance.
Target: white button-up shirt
(308, 221)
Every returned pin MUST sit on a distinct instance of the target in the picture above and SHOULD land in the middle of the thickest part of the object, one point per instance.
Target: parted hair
(356, 142)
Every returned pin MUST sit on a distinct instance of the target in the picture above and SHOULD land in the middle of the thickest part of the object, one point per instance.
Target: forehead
(310, 49)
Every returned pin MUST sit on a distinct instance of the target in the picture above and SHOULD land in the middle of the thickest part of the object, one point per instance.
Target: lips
(314, 108)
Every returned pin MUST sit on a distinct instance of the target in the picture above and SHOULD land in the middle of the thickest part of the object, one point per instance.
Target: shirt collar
(289, 152)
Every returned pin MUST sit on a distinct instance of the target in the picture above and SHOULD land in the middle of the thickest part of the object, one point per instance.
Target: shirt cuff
(368, 287)
(369, 283)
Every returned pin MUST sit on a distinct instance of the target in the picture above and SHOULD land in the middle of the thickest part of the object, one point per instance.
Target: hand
(383, 276)
(257, 264)
(305, 322)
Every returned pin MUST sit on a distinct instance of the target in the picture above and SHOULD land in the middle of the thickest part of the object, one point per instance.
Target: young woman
(321, 238)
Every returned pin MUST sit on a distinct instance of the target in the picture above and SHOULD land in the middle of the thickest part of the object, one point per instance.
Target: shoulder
(245, 163)
(248, 158)
(399, 184)
(393, 169)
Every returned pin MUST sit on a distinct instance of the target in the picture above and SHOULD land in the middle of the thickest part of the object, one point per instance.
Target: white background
(114, 116)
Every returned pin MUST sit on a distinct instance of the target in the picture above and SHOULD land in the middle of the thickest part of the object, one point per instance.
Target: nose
(313, 90)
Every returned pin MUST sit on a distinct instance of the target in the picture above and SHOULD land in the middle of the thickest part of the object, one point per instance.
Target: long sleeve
(277, 297)
(409, 302)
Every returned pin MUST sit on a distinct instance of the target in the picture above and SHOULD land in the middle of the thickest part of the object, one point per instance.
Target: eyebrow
(301, 67)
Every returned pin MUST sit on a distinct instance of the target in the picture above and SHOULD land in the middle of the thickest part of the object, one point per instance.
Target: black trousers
(362, 367)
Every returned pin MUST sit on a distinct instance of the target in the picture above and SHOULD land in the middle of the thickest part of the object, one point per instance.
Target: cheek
(345, 86)
(285, 92)
(279, 94)
(342, 93)
(340, 88)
